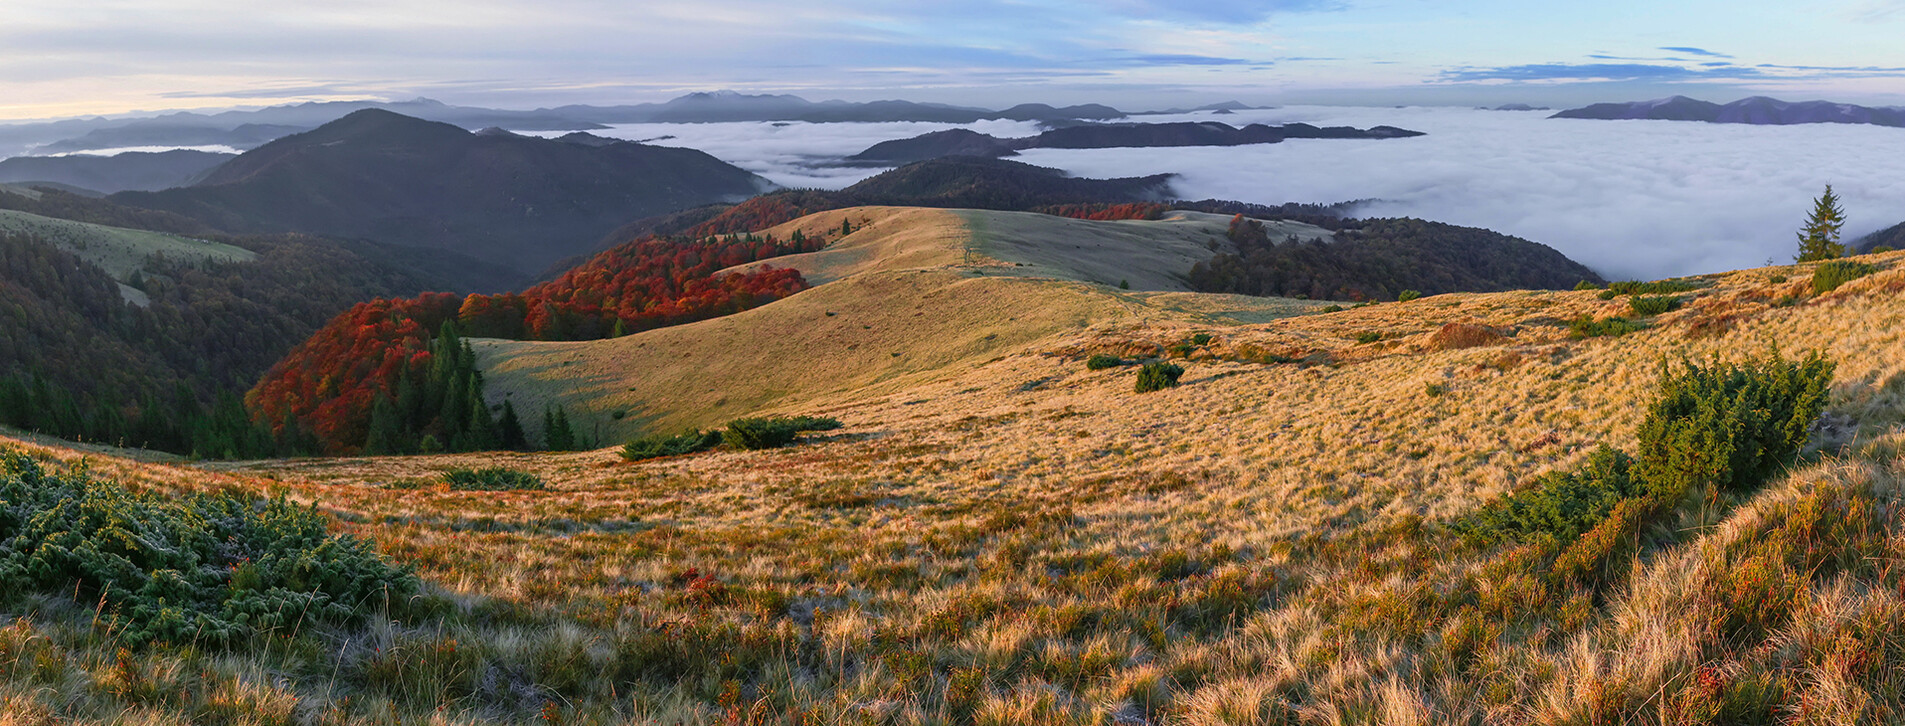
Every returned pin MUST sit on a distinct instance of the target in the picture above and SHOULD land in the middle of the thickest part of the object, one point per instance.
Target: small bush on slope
(492, 479)
(1831, 275)
(1158, 376)
(656, 446)
(768, 433)
(1561, 504)
(1730, 425)
(204, 569)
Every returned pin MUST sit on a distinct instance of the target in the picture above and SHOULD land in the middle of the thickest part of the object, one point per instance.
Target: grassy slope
(1036, 526)
(913, 295)
(120, 252)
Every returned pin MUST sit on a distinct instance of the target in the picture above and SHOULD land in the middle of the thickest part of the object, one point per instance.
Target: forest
(1377, 259)
(376, 378)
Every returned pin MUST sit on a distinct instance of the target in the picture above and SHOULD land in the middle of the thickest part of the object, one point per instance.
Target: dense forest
(78, 361)
(1377, 259)
(388, 355)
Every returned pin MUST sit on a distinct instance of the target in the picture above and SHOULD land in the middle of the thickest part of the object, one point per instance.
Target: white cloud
(1631, 199)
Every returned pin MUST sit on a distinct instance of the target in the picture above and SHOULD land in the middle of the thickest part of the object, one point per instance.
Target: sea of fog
(1631, 199)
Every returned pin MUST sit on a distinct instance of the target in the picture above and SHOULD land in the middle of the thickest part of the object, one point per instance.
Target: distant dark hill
(952, 183)
(976, 183)
(1110, 136)
(502, 198)
(1893, 237)
(1377, 259)
(1044, 112)
(170, 132)
(131, 171)
(951, 142)
(1758, 110)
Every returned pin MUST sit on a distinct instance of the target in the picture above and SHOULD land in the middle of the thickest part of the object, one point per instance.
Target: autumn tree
(1819, 240)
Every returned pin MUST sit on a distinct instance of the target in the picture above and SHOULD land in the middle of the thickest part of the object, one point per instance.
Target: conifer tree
(509, 429)
(1819, 240)
(386, 432)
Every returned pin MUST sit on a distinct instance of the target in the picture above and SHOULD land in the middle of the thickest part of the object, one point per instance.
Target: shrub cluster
(741, 433)
(1657, 287)
(209, 569)
(1729, 426)
(1407, 295)
(1646, 306)
(655, 446)
(1588, 327)
(1158, 376)
(1829, 276)
(769, 433)
(1101, 361)
(1560, 504)
(491, 479)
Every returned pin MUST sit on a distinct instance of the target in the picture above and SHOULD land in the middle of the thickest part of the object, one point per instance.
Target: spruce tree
(1819, 240)
(386, 432)
(509, 428)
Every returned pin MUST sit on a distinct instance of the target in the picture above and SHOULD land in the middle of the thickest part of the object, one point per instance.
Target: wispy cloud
(1596, 72)
(1688, 50)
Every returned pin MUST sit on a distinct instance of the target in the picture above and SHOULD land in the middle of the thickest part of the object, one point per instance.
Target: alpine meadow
(1131, 364)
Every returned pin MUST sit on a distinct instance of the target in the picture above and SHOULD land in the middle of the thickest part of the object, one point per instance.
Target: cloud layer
(1632, 199)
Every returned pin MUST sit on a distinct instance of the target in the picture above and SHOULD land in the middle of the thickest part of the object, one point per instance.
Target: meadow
(1021, 539)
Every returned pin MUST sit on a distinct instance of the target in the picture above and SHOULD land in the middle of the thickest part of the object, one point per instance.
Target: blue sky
(69, 57)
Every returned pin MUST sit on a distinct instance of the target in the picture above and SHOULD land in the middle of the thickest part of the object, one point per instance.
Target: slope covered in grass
(1027, 541)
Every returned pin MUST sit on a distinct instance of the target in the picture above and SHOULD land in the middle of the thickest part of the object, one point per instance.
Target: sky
(61, 58)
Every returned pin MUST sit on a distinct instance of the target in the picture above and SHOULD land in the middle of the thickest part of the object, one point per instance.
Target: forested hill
(506, 199)
(374, 378)
(1378, 259)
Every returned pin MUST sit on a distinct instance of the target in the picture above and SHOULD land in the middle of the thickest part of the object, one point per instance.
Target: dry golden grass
(912, 295)
(999, 535)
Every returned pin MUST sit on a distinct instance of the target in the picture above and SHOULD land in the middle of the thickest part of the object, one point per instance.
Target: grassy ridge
(1031, 542)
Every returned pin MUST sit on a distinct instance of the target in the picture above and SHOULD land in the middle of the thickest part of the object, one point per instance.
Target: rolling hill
(913, 294)
(1025, 539)
(133, 170)
(1758, 110)
(505, 199)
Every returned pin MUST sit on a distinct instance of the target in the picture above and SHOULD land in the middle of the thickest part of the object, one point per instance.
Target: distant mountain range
(244, 130)
(1758, 110)
(962, 142)
(130, 171)
(502, 198)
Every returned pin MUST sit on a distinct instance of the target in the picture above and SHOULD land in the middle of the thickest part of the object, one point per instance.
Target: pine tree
(556, 430)
(509, 428)
(386, 432)
(1820, 238)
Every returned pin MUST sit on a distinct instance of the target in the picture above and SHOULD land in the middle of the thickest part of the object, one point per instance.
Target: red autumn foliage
(770, 210)
(1107, 212)
(331, 381)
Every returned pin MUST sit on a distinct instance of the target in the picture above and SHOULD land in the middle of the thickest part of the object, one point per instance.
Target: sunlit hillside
(1000, 535)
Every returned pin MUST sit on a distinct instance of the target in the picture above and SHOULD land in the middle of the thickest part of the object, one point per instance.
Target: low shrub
(655, 446)
(1102, 361)
(1829, 276)
(769, 433)
(1730, 425)
(1158, 376)
(209, 569)
(1331, 309)
(1561, 504)
(1407, 295)
(1588, 327)
(1658, 287)
(1201, 339)
(492, 479)
(1646, 306)
(1368, 336)
(1585, 285)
